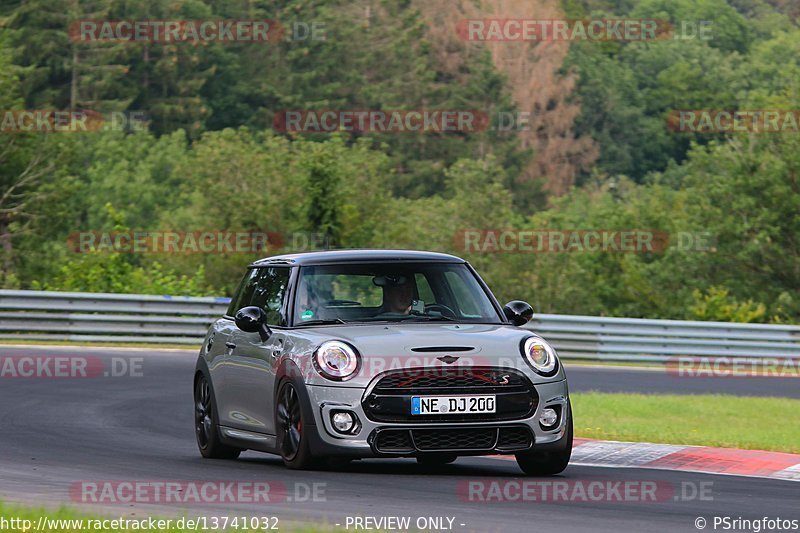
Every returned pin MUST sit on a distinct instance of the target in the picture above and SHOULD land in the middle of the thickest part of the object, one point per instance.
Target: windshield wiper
(319, 322)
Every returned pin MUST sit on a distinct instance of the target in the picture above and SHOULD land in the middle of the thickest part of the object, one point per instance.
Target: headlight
(540, 355)
(336, 360)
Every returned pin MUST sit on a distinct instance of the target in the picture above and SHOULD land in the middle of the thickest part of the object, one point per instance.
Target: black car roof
(328, 257)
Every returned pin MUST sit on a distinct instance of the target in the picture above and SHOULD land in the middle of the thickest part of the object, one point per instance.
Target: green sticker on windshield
(307, 314)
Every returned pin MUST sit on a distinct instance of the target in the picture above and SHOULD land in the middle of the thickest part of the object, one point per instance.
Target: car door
(253, 361)
(220, 345)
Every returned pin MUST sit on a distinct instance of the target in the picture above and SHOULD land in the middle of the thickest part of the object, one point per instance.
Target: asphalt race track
(657, 381)
(60, 432)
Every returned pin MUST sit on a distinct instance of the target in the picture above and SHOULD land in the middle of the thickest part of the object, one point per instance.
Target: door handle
(230, 345)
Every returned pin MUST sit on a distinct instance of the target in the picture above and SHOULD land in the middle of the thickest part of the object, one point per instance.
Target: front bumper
(393, 439)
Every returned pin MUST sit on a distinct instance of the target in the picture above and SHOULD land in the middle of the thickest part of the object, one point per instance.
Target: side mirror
(518, 312)
(252, 319)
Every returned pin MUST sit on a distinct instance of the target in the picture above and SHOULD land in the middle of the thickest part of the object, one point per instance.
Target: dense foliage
(210, 160)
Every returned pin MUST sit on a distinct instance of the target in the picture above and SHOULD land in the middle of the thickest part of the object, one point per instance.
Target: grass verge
(704, 420)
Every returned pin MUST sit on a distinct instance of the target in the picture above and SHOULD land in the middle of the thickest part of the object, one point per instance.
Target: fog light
(548, 418)
(344, 421)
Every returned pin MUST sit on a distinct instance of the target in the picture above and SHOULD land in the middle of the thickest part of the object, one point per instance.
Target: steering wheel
(441, 308)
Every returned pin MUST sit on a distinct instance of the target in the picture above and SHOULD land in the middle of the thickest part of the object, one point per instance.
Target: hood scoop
(436, 349)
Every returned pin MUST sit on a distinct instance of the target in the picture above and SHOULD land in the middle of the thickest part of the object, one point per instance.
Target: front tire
(206, 423)
(548, 463)
(292, 438)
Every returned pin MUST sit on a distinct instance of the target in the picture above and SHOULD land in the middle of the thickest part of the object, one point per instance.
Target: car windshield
(413, 292)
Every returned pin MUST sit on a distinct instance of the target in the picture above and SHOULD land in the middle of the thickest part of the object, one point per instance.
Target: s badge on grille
(449, 359)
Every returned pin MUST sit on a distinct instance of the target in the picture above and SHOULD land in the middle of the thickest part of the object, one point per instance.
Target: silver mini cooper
(353, 354)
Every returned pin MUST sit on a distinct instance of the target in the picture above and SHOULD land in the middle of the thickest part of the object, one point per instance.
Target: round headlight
(336, 360)
(540, 355)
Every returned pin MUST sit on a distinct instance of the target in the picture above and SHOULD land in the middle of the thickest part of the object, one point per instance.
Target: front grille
(389, 400)
(514, 438)
(437, 379)
(454, 439)
(394, 441)
(469, 439)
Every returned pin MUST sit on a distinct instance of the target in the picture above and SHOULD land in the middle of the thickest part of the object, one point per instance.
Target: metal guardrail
(101, 317)
(98, 317)
(636, 339)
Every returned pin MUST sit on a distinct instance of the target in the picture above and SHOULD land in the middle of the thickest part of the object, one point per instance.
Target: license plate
(452, 405)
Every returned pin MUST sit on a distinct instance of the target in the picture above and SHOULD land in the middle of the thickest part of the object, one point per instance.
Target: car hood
(391, 346)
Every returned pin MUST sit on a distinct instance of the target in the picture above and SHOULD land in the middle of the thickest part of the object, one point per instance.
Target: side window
(244, 293)
(270, 289)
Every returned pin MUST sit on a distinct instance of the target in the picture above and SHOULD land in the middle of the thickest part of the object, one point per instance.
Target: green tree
(747, 194)
(29, 168)
(632, 141)
(730, 32)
